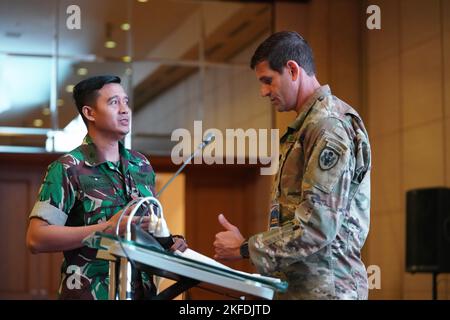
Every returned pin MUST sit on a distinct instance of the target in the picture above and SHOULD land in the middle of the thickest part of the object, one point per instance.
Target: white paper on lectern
(194, 255)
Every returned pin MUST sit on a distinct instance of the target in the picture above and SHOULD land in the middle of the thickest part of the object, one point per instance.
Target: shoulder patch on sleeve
(328, 158)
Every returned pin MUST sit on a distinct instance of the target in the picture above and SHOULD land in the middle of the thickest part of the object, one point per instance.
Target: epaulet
(138, 155)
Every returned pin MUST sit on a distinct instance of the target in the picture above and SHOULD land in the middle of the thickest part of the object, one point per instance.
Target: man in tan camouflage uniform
(319, 217)
(85, 190)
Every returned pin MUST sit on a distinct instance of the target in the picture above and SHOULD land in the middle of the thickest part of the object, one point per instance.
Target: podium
(186, 272)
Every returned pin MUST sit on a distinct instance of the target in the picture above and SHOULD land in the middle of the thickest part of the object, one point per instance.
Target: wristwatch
(243, 250)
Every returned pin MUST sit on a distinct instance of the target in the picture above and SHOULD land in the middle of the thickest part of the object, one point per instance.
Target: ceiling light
(125, 26)
(110, 44)
(38, 122)
(46, 111)
(69, 88)
(126, 59)
(82, 71)
(142, 1)
(60, 102)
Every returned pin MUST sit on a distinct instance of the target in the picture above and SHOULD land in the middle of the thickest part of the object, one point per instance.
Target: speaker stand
(435, 275)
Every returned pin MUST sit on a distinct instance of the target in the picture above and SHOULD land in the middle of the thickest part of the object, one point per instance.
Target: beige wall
(408, 81)
(173, 200)
(332, 30)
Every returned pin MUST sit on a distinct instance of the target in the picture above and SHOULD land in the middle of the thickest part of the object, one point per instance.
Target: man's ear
(88, 113)
(294, 69)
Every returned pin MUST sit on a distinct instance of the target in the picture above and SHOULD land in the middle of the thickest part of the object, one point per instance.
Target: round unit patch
(328, 158)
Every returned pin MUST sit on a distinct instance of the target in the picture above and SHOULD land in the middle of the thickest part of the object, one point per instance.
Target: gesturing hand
(179, 244)
(228, 242)
(112, 222)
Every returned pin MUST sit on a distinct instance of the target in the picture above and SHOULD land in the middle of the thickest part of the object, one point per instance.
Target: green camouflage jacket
(81, 189)
(320, 211)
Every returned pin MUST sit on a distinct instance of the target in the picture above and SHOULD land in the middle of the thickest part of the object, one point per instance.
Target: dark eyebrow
(116, 97)
(265, 79)
(113, 97)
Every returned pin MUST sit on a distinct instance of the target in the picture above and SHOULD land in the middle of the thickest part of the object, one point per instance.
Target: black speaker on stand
(428, 232)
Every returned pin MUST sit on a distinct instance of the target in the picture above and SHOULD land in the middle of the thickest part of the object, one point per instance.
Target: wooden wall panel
(15, 280)
(233, 191)
(23, 275)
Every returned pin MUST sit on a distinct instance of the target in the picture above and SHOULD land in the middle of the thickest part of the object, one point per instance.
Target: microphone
(158, 226)
(208, 139)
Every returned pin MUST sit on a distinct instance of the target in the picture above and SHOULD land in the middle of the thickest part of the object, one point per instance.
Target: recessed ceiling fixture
(69, 88)
(110, 44)
(82, 71)
(46, 111)
(38, 122)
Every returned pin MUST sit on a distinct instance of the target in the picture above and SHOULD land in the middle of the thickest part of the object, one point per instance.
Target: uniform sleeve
(324, 200)
(56, 196)
(152, 179)
(149, 170)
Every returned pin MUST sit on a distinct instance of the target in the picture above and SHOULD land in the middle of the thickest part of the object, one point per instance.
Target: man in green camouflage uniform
(85, 190)
(320, 208)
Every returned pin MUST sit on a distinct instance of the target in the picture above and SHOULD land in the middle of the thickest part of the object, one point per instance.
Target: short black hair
(281, 47)
(85, 93)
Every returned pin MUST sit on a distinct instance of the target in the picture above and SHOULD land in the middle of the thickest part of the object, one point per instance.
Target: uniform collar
(93, 158)
(319, 94)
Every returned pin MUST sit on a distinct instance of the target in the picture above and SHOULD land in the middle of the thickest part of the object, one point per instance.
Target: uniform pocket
(97, 192)
(142, 182)
(292, 173)
(93, 181)
(143, 178)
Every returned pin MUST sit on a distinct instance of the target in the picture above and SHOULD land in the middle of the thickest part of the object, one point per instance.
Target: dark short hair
(281, 47)
(85, 93)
